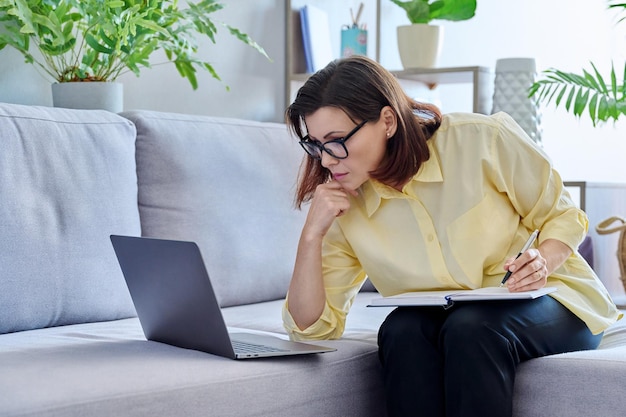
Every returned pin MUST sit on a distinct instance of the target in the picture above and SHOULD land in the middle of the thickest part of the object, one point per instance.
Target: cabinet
(480, 78)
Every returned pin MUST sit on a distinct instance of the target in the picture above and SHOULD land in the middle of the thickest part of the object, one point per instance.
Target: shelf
(338, 14)
(480, 78)
(450, 75)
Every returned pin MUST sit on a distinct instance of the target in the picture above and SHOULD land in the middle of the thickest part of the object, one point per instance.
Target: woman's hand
(531, 269)
(329, 201)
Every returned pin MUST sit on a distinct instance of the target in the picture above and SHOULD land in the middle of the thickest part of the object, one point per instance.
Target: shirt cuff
(326, 327)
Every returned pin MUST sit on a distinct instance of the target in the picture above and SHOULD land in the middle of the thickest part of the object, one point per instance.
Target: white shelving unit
(480, 78)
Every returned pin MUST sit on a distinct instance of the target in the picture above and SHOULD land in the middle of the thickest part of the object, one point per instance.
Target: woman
(419, 201)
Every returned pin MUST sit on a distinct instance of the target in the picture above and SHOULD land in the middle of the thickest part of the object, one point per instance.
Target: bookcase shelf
(481, 78)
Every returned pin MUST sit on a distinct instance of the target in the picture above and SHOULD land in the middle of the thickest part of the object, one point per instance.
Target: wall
(550, 31)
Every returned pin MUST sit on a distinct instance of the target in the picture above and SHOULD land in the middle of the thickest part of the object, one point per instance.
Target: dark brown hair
(361, 87)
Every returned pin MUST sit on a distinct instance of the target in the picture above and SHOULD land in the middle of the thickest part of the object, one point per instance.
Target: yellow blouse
(471, 206)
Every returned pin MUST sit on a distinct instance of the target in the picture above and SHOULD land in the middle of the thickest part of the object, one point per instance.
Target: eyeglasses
(335, 148)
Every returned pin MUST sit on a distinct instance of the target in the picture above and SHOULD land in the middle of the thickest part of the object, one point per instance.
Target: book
(315, 38)
(448, 297)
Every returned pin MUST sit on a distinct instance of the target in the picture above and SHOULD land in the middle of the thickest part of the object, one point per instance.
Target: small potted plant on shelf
(419, 43)
(94, 41)
(603, 99)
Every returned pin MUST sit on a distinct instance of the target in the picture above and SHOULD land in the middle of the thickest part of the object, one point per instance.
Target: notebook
(175, 302)
(447, 298)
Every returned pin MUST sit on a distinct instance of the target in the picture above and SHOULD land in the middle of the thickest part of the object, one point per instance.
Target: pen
(527, 245)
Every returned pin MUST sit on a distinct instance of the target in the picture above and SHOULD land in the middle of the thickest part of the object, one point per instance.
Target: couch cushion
(67, 181)
(108, 369)
(228, 185)
(362, 322)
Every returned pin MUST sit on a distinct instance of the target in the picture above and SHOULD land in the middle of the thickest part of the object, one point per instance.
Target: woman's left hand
(529, 270)
(532, 268)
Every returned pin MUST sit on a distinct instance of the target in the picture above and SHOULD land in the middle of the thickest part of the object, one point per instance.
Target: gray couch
(70, 344)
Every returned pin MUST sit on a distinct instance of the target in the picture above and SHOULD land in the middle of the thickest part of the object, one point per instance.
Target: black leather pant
(462, 361)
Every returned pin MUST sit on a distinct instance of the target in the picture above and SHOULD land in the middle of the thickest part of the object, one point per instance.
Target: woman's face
(366, 147)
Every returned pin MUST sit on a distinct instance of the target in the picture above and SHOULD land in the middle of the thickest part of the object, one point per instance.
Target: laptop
(176, 304)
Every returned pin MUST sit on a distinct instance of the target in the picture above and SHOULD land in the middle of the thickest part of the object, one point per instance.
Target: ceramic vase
(89, 95)
(419, 45)
(514, 76)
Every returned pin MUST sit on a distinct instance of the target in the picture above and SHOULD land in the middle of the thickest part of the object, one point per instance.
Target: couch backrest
(228, 185)
(67, 181)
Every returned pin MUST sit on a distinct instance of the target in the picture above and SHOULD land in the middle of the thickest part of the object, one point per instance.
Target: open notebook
(448, 297)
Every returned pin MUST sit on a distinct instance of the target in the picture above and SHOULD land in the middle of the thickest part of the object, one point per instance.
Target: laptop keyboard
(247, 348)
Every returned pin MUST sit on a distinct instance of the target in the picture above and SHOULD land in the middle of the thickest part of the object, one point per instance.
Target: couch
(70, 344)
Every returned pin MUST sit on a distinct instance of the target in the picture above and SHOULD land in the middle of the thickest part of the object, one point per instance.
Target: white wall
(566, 34)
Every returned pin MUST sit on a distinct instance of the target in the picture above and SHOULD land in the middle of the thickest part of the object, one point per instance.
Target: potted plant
(97, 40)
(602, 98)
(419, 43)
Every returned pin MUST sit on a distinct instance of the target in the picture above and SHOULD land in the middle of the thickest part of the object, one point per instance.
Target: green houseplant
(420, 43)
(425, 11)
(97, 40)
(603, 98)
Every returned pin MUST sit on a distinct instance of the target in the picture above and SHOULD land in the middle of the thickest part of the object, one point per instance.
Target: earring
(388, 134)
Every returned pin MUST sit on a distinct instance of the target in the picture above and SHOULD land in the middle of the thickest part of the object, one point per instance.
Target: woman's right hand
(330, 200)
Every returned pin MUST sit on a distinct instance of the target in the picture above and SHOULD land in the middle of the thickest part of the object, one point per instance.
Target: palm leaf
(619, 5)
(602, 99)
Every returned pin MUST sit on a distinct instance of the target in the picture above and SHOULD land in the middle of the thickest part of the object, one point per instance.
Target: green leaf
(603, 109)
(93, 42)
(246, 39)
(100, 38)
(453, 10)
(56, 50)
(603, 87)
(152, 26)
(561, 94)
(581, 102)
(613, 82)
(570, 97)
(416, 11)
(593, 104)
(187, 70)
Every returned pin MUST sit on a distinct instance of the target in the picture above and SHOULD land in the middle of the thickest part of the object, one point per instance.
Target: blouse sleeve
(343, 277)
(525, 173)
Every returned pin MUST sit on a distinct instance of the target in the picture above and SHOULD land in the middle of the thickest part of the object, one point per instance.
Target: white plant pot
(89, 95)
(419, 45)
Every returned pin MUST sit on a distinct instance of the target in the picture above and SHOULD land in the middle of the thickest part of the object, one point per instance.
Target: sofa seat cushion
(227, 185)
(362, 322)
(108, 369)
(67, 181)
(575, 384)
(103, 369)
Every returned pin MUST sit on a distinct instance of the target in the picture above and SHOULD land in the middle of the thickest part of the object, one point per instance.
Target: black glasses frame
(307, 141)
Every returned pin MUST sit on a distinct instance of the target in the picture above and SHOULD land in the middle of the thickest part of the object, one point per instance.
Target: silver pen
(527, 245)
